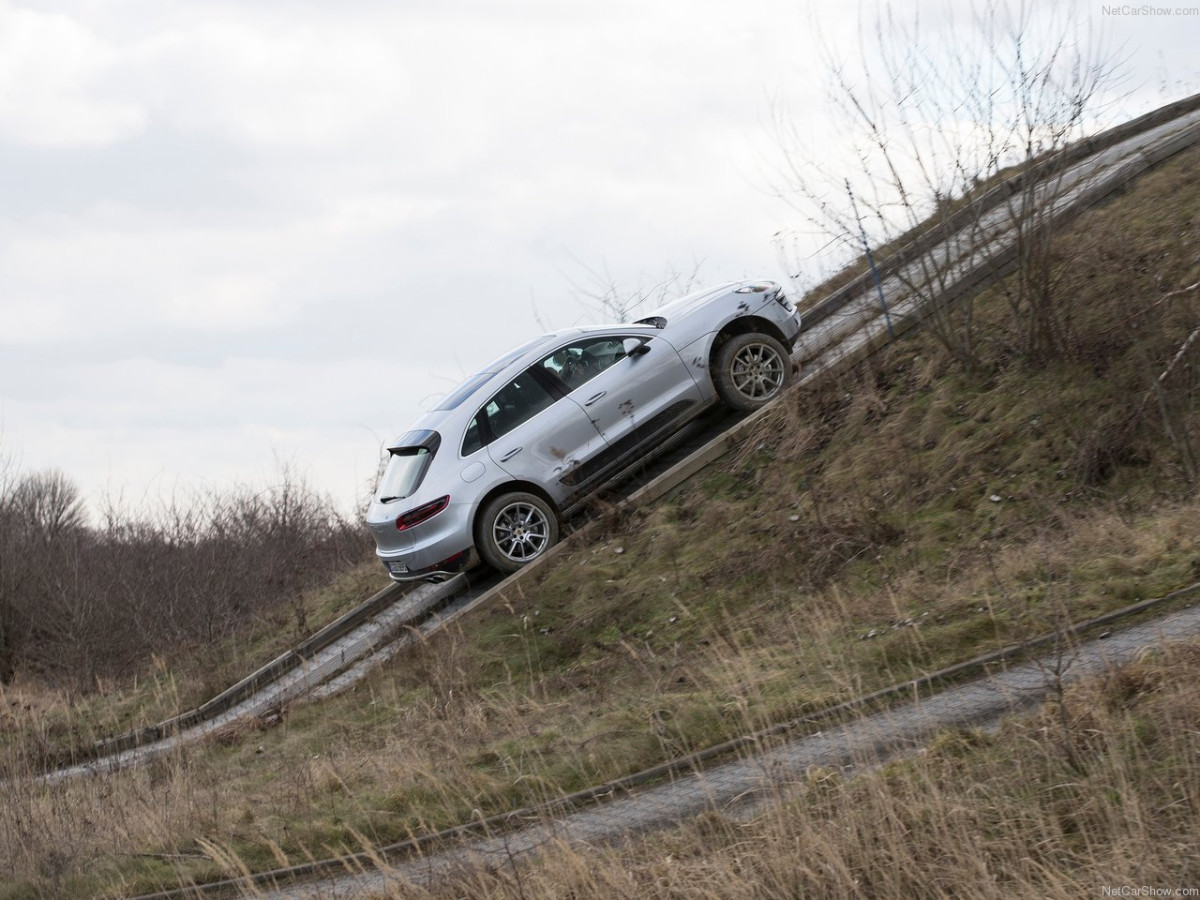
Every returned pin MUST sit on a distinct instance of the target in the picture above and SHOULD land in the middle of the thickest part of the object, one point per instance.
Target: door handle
(594, 398)
(510, 454)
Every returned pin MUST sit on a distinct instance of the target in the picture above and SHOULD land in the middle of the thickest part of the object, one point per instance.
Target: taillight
(416, 516)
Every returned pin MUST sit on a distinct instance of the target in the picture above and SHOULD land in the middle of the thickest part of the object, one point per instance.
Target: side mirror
(634, 347)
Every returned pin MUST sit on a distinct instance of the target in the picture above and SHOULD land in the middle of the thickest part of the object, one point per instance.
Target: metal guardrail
(268, 674)
(994, 197)
(864, 335)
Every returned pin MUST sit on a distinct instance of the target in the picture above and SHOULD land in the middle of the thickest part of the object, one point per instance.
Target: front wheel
(751, 370)
(515, 529)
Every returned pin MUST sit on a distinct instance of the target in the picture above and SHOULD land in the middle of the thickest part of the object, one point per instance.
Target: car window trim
(556, 387)
(548, 379)
(551, 385)
(563, 389)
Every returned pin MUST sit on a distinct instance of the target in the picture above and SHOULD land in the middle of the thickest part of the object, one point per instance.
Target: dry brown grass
(45, 721)
(425, 746)
(977, 815)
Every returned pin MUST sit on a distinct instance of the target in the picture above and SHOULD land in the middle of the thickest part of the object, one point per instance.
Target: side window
(516, 403)
(580, 362)
(472, 438)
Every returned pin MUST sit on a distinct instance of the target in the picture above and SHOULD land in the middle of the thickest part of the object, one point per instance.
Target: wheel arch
(509, 487)
(743, 325)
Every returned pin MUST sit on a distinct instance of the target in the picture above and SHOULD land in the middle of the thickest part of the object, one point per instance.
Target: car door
(536, 434)
(632, 386)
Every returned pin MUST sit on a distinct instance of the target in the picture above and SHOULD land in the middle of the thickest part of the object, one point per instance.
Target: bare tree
(12, 577)
(939, 119)
(598, 290)
(38, 512)
(79, 602)
(48, 506)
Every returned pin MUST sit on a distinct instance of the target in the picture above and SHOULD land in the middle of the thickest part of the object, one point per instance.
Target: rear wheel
(751, 370)
(515, 529)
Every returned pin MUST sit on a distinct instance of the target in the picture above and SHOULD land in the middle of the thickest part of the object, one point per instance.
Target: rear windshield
(405, 468)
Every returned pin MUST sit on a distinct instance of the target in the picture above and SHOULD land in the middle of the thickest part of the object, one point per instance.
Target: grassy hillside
(1098, 790)
(905, 516)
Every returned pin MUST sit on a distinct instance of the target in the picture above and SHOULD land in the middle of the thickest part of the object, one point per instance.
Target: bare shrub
(599, 291)
(79, 602)
(38, 513)
(936, 130)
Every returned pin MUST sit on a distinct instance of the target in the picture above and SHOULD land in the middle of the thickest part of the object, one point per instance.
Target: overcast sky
(240, 234)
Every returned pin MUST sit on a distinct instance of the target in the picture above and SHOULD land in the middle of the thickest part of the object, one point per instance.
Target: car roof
(459, 403)
(487, 379)
(525, 355)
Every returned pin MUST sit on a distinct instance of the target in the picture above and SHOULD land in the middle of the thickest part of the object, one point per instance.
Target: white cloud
(28, 320)
(49, 65)
(141, 425)
(291, 85)
(225, 302)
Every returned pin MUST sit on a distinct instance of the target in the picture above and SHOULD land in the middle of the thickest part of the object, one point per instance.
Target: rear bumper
(434, 547)
(399, 569)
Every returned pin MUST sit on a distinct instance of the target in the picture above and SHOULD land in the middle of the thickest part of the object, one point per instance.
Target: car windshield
(405, 469)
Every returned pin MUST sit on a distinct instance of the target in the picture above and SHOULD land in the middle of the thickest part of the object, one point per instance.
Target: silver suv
(517, 447)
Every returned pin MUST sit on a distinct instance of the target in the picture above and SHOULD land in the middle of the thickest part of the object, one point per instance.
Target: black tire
(515, 529)
(751, 371)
